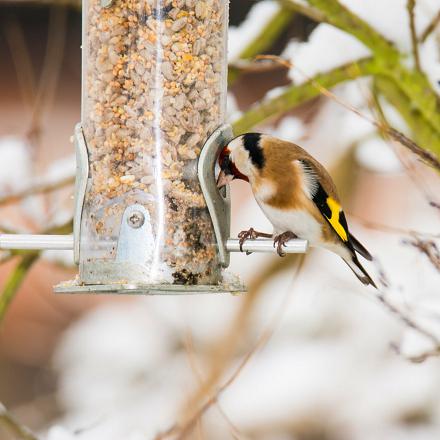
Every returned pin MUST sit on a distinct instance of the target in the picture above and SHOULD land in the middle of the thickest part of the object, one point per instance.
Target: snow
(15, 164)
(430, 60)
(291, 129)
(326, 48)
(390, 17)
(232, 110)
(376, 155)
(259, 15)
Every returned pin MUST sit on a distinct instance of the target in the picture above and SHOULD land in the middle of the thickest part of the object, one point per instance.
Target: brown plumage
(296, 193)
(280, 155)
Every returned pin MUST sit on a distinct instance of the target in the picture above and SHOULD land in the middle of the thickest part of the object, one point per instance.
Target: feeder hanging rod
(65, 242)
(36, 242)
(295, 246)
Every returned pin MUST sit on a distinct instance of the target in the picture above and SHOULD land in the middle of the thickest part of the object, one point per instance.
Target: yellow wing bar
(335, 209)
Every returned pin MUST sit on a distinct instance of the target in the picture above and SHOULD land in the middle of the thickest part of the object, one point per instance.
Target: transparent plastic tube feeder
(148, 216)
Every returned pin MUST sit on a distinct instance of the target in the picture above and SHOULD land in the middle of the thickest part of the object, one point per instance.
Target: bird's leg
(281, 240)
(251, 234)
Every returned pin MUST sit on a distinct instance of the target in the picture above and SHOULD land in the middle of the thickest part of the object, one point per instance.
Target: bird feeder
(148, 215)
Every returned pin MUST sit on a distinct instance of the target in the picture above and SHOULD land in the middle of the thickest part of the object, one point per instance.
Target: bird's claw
(281, 240)
(251, 234)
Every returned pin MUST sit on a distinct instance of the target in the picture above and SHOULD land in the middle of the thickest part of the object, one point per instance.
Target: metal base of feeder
(149, 289)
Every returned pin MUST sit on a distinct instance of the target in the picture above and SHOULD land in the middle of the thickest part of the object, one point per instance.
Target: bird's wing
(320, 189)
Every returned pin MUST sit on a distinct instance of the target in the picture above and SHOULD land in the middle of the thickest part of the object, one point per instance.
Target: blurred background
(308, 353)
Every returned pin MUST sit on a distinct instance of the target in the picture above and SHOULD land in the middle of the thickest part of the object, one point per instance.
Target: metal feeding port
(148, 215)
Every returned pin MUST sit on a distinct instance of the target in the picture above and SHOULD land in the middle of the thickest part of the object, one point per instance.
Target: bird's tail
(359, 247)
(359, 271)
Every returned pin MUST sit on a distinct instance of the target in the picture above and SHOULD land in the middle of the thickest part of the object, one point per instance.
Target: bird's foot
(250, 234)
(281, 240)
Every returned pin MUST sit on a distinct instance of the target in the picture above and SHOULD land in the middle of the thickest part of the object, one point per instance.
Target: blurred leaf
(27, 259)
(14, 281)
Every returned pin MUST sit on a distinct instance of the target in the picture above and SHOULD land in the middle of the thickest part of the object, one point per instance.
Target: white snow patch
(430, 60)
(61, 169)
(15, 164)
(257, 18)
(116, 344)
(390, 17)
(327, 48)
(290, 128)
(376, 155)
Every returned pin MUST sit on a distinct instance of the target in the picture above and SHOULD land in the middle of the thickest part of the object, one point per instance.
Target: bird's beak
(224, 179)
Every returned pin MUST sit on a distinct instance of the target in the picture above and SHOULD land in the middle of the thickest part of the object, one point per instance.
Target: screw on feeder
(136, 219)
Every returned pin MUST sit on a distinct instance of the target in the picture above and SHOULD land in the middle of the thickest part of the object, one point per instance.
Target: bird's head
(242, 158)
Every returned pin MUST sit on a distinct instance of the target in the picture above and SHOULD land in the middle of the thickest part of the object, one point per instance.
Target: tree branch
(410, 5)
(422, 131)
(295, 95)
(28, 258)
(268, 34)
(264, 40)
(414, 84)
(307, 11)
(430, 28)
(38, 188)
(18, 431)
(341, 17)
(14, 281)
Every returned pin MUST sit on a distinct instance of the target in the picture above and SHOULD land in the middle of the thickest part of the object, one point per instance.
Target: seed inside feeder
(154, 90)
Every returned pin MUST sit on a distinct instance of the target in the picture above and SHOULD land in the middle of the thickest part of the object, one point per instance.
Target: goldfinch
(296, 194)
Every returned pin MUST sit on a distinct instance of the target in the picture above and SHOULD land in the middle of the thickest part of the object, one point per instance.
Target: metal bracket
(136, 241)
(82, 175)
(218, 202)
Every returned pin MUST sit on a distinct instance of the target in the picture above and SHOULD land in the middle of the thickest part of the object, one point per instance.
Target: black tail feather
(360, 272)
(359, 247)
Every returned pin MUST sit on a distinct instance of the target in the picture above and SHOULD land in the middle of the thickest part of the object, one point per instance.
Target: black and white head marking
(251, 143)
(311, 181)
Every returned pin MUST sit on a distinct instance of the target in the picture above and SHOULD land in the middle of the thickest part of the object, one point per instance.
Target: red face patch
(228, 167)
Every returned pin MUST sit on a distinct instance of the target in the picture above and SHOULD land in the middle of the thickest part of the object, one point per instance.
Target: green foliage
(408, 90)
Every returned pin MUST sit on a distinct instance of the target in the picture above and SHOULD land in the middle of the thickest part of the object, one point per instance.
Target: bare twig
(389, 58)
(183, 429)
(392, 229)
(405, 319)
(186, 429)
(428, 248)
(295, 95)
(428, 157)
(435, 205)
(247, 66)
(19, 431)
(430, 28)
(303, 9)
(419, 358)
(410, 5)
(409, 166)
(39, 188)
(189, 346)
(14, 281)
